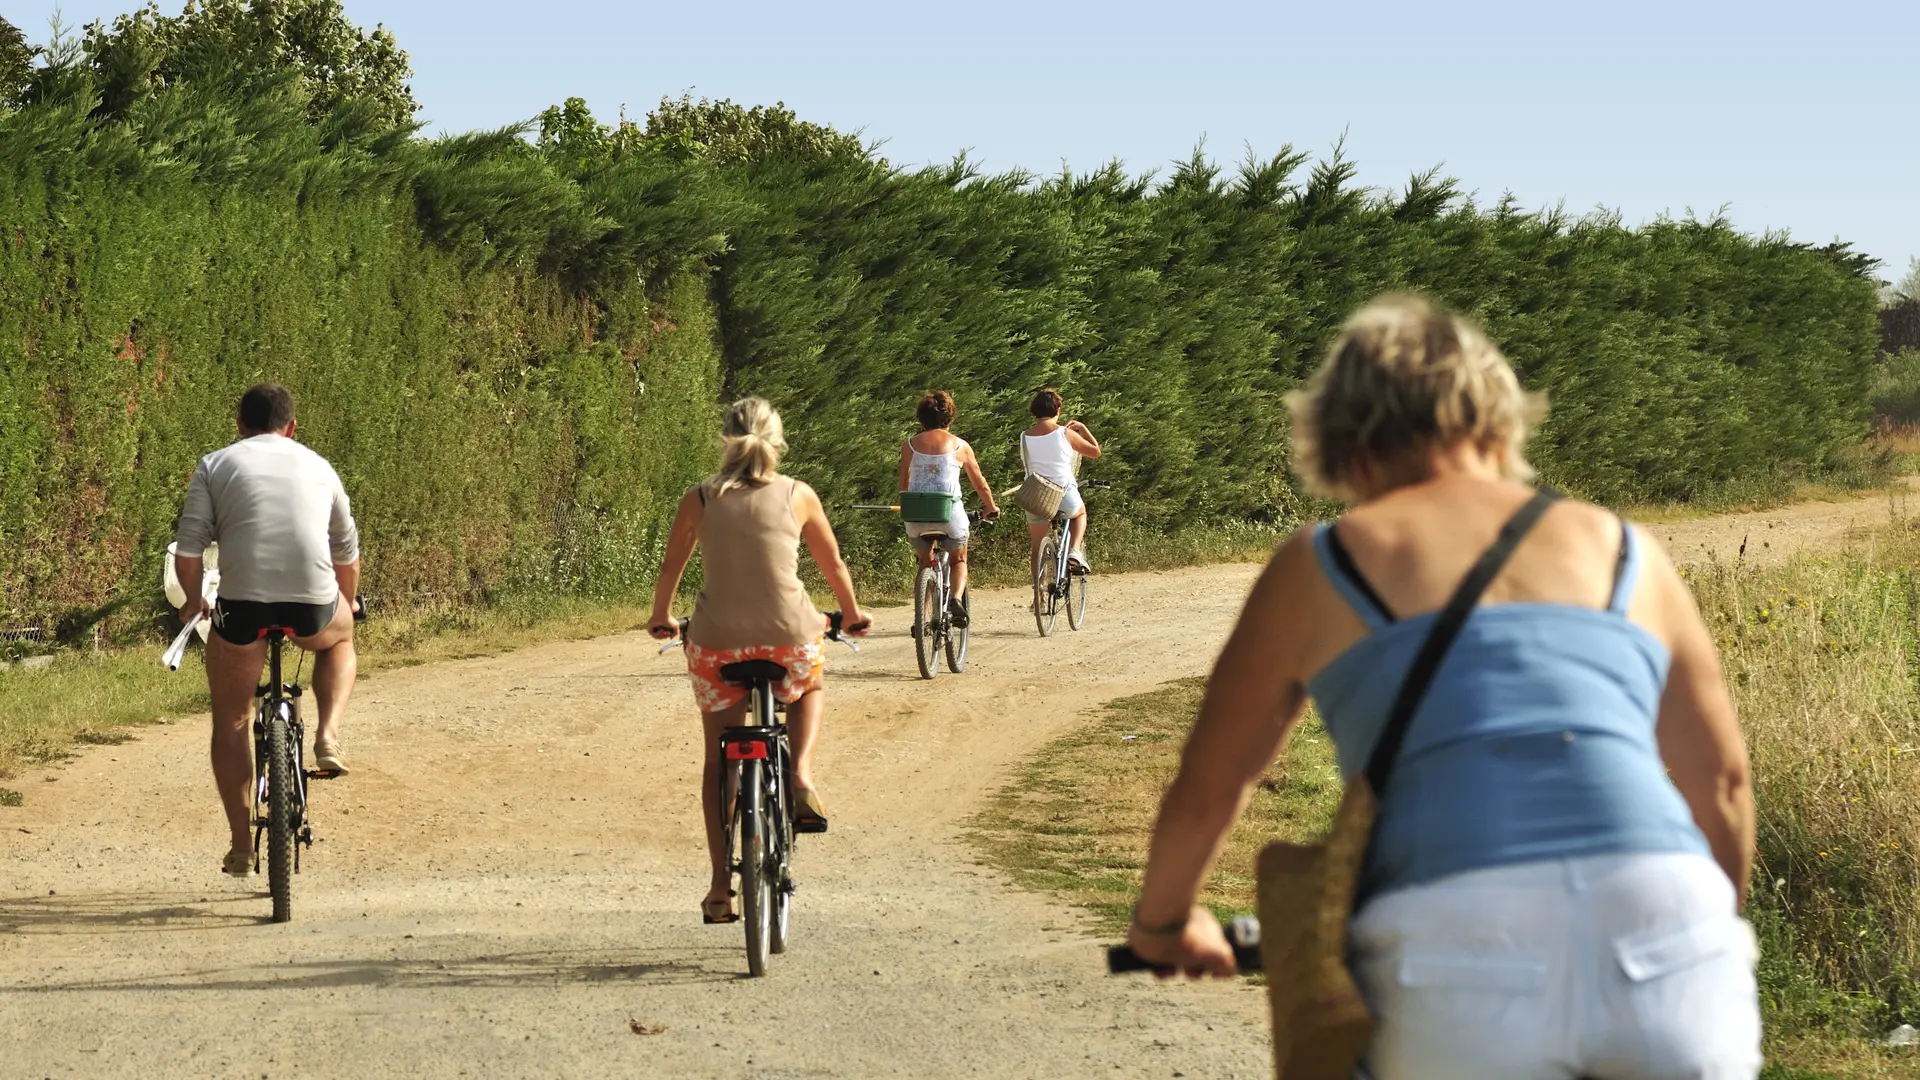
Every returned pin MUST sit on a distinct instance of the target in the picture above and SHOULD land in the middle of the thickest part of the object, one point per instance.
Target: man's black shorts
(243, 622)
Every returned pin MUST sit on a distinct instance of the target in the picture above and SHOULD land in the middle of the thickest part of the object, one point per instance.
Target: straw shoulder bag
(1321, 1024)
(1038, 495)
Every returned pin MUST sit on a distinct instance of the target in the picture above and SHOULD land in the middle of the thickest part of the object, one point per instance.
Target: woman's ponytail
(751, 442)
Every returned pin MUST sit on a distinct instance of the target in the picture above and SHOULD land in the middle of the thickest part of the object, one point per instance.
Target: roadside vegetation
(1823, 656)
(512, 343)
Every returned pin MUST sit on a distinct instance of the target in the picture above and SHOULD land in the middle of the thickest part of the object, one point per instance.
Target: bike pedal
(322, 774)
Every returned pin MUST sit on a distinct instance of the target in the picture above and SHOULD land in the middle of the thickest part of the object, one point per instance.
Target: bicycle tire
(957, 638)
(927, 621)
(783, 857)
(756, 893)
(280, 823)
(1046, 602)
(1076, 600)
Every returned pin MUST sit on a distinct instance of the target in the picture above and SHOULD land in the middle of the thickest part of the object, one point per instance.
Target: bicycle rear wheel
(280, 813)
(1046, 602)
(756, 884)
(957, 638)
(1076, 600)
(927, 620)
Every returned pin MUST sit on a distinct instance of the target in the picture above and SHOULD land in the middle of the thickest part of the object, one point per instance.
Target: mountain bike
(756, 782)
(280, 811)
(933, 631)
(1056, 584)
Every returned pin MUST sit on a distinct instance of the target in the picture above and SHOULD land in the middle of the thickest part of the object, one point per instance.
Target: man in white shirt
(289, 558)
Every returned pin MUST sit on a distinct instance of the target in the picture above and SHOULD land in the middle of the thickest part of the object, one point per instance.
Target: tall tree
(244, 44)
(16, 64)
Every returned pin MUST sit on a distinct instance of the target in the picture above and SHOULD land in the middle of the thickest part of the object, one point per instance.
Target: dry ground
(510, 879)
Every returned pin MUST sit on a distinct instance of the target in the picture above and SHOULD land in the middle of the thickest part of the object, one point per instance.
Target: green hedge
(1680, 357)
(514, 349)
(492, 428)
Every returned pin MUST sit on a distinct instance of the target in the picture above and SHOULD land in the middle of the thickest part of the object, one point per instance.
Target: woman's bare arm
(906, 464)
(681, 540)
(1699, 735)
(817, 531)
(1254, 698)
(978, 479)
(1082, 440)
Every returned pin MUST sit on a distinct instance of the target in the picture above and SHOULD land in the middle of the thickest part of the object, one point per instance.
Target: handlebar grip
(359, 608)
(834, 625)
(1243, 933)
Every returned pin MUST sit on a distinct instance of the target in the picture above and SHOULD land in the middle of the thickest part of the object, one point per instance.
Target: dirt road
(509, 881)
(1767, 536)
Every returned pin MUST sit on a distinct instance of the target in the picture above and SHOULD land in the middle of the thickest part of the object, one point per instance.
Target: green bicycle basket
(926, 506)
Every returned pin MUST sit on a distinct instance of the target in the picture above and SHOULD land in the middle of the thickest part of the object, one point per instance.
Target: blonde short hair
(752, 438)
(1405, 378)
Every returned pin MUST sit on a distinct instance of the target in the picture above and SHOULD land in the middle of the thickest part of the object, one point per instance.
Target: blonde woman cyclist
(1048, 449)
(1554, 882)
(750, 520)
(933, 461)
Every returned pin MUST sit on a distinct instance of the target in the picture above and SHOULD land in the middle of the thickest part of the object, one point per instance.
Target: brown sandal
(707, 907)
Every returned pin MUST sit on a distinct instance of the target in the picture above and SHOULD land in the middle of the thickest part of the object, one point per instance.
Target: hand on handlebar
(666, 628)
(843, 625)
(1198, 949)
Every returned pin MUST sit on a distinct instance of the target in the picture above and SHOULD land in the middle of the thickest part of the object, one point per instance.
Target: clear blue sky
(1802, 116)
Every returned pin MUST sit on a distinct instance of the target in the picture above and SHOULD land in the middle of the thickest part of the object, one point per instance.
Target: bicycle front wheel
(1076, 600)
(1046, 602)
(280, 812)
(927, 620)
(756, 883)
(957, 638)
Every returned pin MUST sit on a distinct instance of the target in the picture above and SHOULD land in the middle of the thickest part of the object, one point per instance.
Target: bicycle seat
(748, 672)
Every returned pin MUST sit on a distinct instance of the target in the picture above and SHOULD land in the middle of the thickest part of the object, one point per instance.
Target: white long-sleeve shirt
(280, 516)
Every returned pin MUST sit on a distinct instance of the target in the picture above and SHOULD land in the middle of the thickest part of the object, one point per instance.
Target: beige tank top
(752, 595)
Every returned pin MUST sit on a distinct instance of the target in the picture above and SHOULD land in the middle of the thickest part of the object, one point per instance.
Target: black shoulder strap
(1447, 627)
(1343, 561)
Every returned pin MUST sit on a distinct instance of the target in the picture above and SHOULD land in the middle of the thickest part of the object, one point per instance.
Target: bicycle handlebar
(681, 626)
(1243, 933)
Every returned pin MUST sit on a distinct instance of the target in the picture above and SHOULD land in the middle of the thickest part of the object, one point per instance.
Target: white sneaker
(239, 863)
(1077, 560)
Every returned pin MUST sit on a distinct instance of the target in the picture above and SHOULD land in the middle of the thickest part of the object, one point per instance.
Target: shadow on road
(111, 913)
(503, 970)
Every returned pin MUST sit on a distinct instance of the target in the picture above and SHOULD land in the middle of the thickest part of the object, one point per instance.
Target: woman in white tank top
(1049, 449)
(933, 461)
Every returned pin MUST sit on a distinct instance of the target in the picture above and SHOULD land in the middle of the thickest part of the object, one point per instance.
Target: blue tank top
(1535, 740)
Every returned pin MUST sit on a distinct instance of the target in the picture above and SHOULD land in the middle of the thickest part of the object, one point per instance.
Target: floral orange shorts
(805, 672)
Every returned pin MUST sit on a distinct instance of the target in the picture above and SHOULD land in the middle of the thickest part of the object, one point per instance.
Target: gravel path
(508, 884)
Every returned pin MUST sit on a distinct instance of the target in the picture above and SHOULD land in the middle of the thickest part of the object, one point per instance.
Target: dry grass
(1076, 818)
(1823, 656)
(92, 697)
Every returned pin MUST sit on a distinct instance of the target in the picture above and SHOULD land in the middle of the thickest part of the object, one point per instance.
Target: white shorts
(955, 536)
(1611, 967)
(1070, 504)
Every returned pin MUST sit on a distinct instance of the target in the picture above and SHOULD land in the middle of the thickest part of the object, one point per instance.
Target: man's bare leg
(233, 671)
(335, 666)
